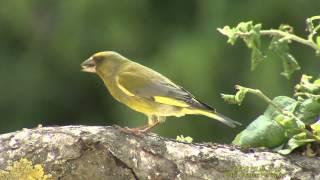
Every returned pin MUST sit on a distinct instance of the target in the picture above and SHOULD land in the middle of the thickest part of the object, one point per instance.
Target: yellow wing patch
(123, 89)
(170, 101)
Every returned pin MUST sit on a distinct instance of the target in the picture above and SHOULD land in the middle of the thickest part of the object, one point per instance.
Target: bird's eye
(98, 58)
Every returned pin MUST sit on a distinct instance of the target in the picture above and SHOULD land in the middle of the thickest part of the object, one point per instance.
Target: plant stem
(258, 93)
(288, 36)
(307, 95)
(313, 18)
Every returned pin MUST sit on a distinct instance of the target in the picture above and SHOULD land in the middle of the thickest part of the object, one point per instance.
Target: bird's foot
(135, 131)
(140, 131)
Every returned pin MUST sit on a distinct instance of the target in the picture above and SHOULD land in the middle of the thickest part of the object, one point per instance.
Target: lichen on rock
(24, 169)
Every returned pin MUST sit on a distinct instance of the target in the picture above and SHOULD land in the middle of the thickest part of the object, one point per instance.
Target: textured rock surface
(92, 152)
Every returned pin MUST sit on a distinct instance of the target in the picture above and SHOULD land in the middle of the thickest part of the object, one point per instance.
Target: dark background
(42, 43)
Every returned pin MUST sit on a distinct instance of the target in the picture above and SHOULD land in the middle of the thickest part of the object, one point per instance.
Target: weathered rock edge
(96, 152)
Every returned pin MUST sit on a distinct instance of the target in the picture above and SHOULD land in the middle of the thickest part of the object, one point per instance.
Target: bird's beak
(89, 65)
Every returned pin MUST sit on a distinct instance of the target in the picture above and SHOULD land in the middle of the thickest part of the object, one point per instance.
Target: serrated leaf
(229, 98)
(231, 33)
(237, 98)
(244, 26)
(307, 86)
(250, 33)
(241, 94)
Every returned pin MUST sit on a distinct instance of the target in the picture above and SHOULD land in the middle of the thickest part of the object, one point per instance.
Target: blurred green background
(42, 43)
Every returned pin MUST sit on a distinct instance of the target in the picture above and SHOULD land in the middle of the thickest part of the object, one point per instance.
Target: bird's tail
(215, 115)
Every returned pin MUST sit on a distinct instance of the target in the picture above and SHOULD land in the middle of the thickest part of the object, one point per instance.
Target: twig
(276, 32)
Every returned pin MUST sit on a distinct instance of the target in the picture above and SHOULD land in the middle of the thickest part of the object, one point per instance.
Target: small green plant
(287, 123)
(187, 139)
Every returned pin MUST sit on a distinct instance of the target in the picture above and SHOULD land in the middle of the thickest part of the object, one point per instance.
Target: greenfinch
(147, 91)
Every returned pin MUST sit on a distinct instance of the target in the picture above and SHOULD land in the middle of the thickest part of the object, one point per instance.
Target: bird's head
(106, 60)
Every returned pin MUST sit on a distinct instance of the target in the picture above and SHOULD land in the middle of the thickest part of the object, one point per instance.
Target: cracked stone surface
(96, 152)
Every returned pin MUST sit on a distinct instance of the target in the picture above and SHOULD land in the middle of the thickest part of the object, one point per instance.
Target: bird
(147, 91)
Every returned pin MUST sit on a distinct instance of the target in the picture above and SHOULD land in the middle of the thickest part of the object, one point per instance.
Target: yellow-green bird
(147, 91)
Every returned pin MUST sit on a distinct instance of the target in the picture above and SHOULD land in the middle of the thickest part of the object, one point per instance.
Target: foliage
(280, 47)
(251, 34)
(287, 123)
(187, 139)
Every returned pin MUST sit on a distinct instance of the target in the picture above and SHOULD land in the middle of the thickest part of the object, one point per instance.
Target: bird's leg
(150, 125)
(153, 121)
(137, 129)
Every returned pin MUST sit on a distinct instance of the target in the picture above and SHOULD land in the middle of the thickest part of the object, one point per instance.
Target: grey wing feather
(149, 84)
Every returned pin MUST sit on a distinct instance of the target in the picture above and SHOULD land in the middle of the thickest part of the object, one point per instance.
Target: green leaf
(317, 82)
(236, 99)
(295, 142)
(262, 132)
(290, 125)
(241, 94)
(318, 41)
(229, 98)
(256, 58)
(290, 65)
(265, 131)
(281, 48)
(231, 33)
(250, 33)
(274, 129)
(306, 86)
(253, 42)
(284, 102)
(309, 110)
(316, 129)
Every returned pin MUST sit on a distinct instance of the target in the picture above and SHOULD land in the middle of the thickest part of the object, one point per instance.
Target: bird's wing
(151, 85)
